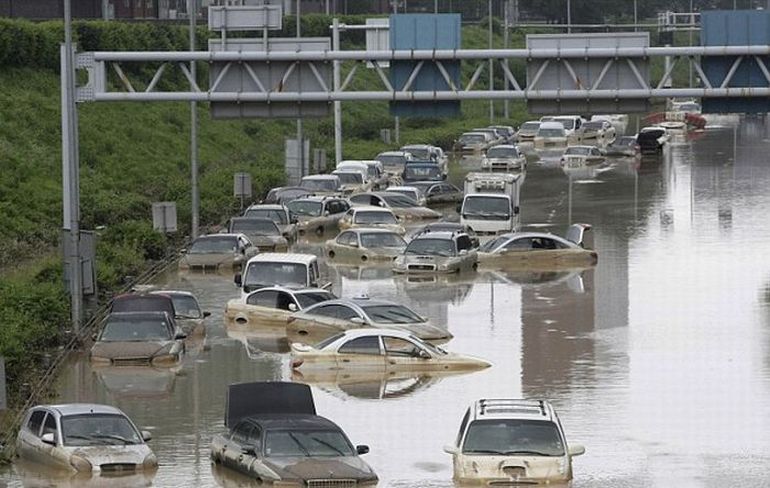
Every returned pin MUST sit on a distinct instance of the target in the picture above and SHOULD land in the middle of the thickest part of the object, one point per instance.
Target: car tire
(331, 254)
(364, 258)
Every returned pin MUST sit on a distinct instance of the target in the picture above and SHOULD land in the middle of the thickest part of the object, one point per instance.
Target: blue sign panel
(735, 28)
(424, 31)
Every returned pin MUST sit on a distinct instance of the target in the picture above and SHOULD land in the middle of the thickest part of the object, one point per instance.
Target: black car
(421, 170)
(651, 140)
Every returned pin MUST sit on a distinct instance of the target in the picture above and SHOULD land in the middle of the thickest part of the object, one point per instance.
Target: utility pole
(337, 103)
(636, 17)
(71, 172)
(300, 142)
(491, 68)
(569, 16)
(506, 12)
(396, 119)
(192, 13)
(435, 6)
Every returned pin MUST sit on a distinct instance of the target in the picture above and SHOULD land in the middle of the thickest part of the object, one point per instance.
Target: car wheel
(302, 332)
(331, 254)
(319, 231)
(364, 258)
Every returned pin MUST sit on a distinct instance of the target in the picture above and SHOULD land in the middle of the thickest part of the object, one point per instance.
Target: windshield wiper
(113, 437)
(327, 444)
(301, 446)
(485, 451)
(534, 453)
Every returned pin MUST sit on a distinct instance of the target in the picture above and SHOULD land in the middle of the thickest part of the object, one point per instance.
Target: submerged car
(379, 349)
(476, 141)
(217, 252)
(511, 442)
(504, 158)
(321, 184)
(652, 139)
(401, 205)
(576, 156)
(550, 135)
(624, 146)
(187, 311)
(320, 321)
(365, 244)
(138, 339)
(410, 191)
(278, 214)
(271, 306)
(437, 252)
(276, 438)
(317, 214)
(293, 270)
(421, 170)
(284, 194)
(84, 437)
(264, 234)
(527, 131)
(394, 161)
(446, 227)
(602, 132)
(351, 181)
(539, 250)
(376, 217)
(437, 193)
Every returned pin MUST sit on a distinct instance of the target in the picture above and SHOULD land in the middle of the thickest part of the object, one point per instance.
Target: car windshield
(396, 200)
(418, 153)
(309, 208)
(269, 274)
(372, 217)
(214, 245)
(392, 162)
(261, 227)
(625, 141)
(186, 306)
(350, 178)
(550, 133)
(568, 124)
(309, 298)
(319, 184)
(472, 138)
(502, 152)
(371, 240)
(577, 151)
(405, 192)
(136, 330)
(513, 437)
(277, 216)
(431, 247)
(391, 314)
(98, 429)
(490, 245)
(306, 443)
(486, 207)
(427, 345)
(530, 126)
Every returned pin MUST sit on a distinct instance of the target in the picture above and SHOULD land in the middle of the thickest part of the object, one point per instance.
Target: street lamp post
(569, 16)
(491, 68)
(192, 13)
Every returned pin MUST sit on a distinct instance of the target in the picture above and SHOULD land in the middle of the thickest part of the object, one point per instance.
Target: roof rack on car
(490, 406)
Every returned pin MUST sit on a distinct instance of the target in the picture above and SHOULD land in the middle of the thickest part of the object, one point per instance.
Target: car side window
(463, 425)
(434, 190)
(362, 345)
(49, 426)
(346, 238)
(464, 242)
(543, 243)
(36, 421)
(346, 313)
(518, 244)
(360, 199)
(242, 433)
(266, 298)
(283, 300)
(326, 311)
(395, 346)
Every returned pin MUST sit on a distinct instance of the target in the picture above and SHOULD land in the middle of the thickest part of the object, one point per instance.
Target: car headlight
(101, 360)
(165, 359)
(150, 461)
(80, 463)
(443, 267)
(288, 484)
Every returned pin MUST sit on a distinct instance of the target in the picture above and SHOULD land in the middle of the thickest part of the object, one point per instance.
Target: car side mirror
(361, 450)
(293, 307)
(206, 314)
(180, 336)
(459, 207)
(146, 436)
(249, 450)
(49, 439)
(516, 210)
(449, 449)
(463, 252)
(238, 279)
(422, 354)
(357, 321)
(576, 450)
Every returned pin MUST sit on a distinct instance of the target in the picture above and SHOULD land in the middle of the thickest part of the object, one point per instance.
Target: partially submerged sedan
(320, 321)
(539, 250)
(504, 158)
(217, 252)
(84, 437)
(138, 339)
(577, 156)
(401, 205)
(271, 306)
(317, 214)
(187, 311)
(379, 349)
(278, 214)
(437, 252)
(365, 244)
(372, 217)
(276, 438)
(263, 233)
(437, 193)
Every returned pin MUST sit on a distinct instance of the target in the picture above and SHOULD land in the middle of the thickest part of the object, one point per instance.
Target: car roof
(283, 257)
(319, 177)
(371, 208)
(292, 421)
(138, 315)
(172, 293)
(233, 235)
(505, 408)
(370, 331)
(415, 146)
(584, 146)
(268, 206)
(357, 301)
(551, 125)
(401, 187)
(393, 153)
(510, 235)
(314, 198)
(252, 219)
(66, 409)
(447, 235)
(505, 146)
(369, 230)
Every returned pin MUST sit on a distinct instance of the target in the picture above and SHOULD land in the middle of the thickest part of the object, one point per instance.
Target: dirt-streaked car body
(291, 270)
(272, 305)
(364, 244)
(538, 250)
(624, 146)
(278, 214)
(380, 350)
(401, 205)
(444, 226)
(317, 214)
(138, 339)
(599, 132)
(352, 181)
(217, 252)
(577, 156)
(437, 252)
(505, 157)
(374, 217)
(394, 161)
(263, 233)
(506, 442)
(429, 152)
(321, 184)
(84, 437)
(527, 131)
(284, 194)
(276, 437)
(439, 192)
(411, 191)
(316, 323)
(550, 135)
(187, 311)
(474, 142)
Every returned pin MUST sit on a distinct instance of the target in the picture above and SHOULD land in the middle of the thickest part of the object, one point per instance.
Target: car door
(347, 243)
(404, 354)
(231, 452)
(331, 316)
(29, 443)
(361, 353)
(52, 453)
(517, 248)
(263, 308)
(464, 243)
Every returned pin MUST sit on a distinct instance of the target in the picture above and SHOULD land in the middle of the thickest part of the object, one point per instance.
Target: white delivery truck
(491, 202)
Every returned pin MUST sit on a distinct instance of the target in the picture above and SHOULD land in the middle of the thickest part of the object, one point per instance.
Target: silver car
(263, 233)
(437, 252)
(85, 438)
(278, 214)
(217, 252)
(365, 244)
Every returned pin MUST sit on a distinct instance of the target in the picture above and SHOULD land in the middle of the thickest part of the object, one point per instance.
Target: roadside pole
(337, 103)
(300, 142)
(192, 13)
(491, 68)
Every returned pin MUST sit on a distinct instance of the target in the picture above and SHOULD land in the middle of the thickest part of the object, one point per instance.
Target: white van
(551, 135)
(280, 269)
(573, 127)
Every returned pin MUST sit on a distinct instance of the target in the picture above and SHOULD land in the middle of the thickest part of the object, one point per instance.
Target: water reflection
(35, 475)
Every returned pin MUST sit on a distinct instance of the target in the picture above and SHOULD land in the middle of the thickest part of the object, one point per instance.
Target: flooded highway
(657, 360)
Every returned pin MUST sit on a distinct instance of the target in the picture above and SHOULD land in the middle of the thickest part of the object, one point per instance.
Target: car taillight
(296, 362)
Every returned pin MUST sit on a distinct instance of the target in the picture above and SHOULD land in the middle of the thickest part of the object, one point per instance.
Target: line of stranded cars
(273, 432)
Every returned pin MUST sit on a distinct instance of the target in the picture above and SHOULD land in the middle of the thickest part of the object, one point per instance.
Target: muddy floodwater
(657, 360)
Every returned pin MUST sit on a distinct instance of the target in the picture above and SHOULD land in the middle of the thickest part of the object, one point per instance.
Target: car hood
(115, 350)
(424, 330)
(348, 467)
(99, 455)
(212, 259)
(260, 240)
(416, 212)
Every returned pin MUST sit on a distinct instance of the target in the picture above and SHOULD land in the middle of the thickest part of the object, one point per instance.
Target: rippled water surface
(657, 361)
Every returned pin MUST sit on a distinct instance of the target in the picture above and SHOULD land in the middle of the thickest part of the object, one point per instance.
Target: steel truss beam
(97, 64)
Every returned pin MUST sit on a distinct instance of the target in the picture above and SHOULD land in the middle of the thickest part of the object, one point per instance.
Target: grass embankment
(132, 155)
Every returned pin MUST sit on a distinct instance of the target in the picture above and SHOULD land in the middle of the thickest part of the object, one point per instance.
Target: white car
(84, 437)
(507, 442)
(527, 131)
(599, 132)
(577, 156)
(271, 306)
(368, 216)
(411, 191)
(550, 135)
(504, 158)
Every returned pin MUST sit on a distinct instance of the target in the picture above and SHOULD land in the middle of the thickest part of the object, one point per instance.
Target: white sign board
(378, 38)
(245, 18)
